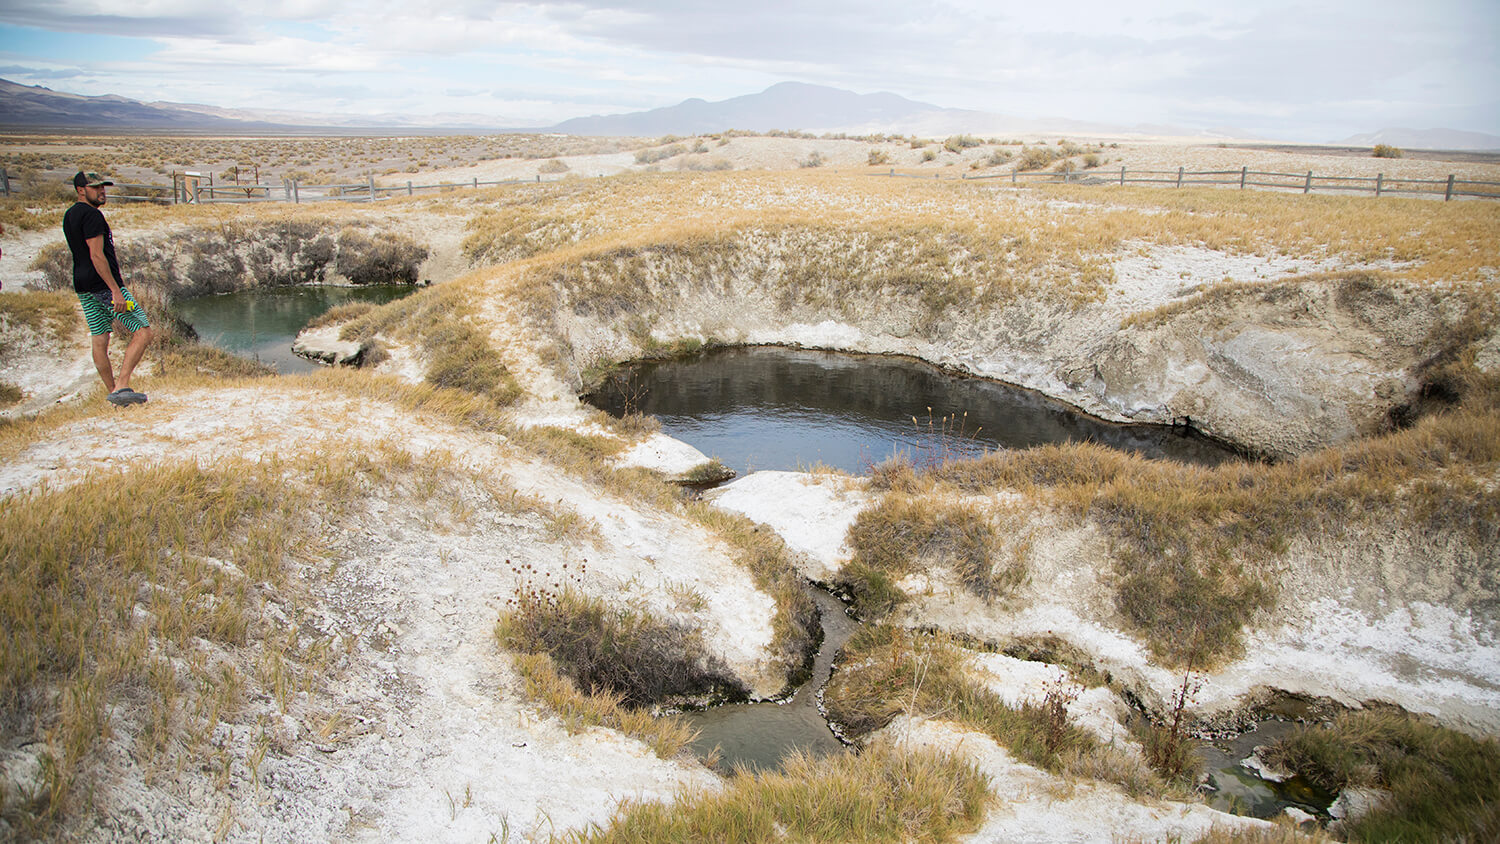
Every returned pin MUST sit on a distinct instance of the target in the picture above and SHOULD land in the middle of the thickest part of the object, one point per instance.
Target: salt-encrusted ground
(438, 743)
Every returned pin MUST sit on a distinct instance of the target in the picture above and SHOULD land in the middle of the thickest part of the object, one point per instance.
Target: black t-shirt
(80, 223)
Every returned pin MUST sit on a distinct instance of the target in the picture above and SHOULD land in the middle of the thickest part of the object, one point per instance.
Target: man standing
(97, 281)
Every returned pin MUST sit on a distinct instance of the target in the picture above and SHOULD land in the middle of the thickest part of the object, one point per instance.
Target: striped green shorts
(100, 314)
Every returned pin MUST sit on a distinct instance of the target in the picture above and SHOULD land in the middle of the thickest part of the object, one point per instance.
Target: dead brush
(1169, 748)
(615, 650)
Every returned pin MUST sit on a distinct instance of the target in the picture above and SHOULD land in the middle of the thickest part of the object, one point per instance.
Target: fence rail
(185, 189)
(1379, 184)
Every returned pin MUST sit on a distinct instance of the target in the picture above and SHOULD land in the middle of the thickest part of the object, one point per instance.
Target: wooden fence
(1308, 182)
(191, 190)
(184, 189)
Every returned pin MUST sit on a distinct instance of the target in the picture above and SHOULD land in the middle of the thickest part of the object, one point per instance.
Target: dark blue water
(775, 408)
(261, 324)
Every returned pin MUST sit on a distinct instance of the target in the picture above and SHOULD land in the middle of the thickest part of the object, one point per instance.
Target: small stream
(756, 736)
(1239, 790)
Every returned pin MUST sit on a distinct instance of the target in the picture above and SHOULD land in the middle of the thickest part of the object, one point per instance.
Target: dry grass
(1196, 549)
(902, 534)
(881, 795)
(623, 652)
(133, 605)
(667, 734)
(765, 556)
(1441, 783)
(459, 354)
(56, 314)
(124, 589)
(887, 671)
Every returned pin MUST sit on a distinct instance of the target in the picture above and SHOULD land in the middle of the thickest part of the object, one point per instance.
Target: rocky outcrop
(1282, 368)
(323, 345)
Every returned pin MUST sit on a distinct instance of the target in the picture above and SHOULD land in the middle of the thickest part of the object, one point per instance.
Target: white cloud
(1285, 68)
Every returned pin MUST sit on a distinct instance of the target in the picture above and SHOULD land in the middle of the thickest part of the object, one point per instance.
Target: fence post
(1244, 171)
(5, 181)
(476, 180)
(1379, 179)
(1179, 177)
(1013, 175)
(893, 172)
(1449, 193)
(1122, 175)
(1307, 188)
(372, 187)
(296, 196)
(408, 187)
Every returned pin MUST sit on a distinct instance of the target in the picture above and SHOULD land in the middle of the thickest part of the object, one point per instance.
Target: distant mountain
(1449, 139)
(37, 107)
(820, 110)
(788, 105)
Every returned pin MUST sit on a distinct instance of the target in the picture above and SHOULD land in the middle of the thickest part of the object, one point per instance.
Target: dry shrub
(390, 258)
(55, 262)
(621, 651)
(290, 252)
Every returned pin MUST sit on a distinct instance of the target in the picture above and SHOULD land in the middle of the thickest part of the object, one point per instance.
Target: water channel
(262, 323)
(757, 736)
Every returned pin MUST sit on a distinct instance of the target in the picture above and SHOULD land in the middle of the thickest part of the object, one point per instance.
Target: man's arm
(101, 266)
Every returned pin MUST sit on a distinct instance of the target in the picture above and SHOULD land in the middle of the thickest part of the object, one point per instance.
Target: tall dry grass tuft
(1439, 784)
(902, 534)
(884, 794)
(887, 671)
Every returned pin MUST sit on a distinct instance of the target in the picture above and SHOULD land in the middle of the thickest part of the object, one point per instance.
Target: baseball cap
(90, 180)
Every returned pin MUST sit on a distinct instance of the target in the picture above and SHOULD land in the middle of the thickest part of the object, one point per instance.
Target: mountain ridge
(787, 106)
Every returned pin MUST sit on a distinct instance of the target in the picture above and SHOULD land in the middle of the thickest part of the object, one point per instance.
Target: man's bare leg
(101, 361)
(133, 352)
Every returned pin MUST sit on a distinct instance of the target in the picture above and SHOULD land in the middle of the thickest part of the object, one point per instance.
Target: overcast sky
(1307, 71)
